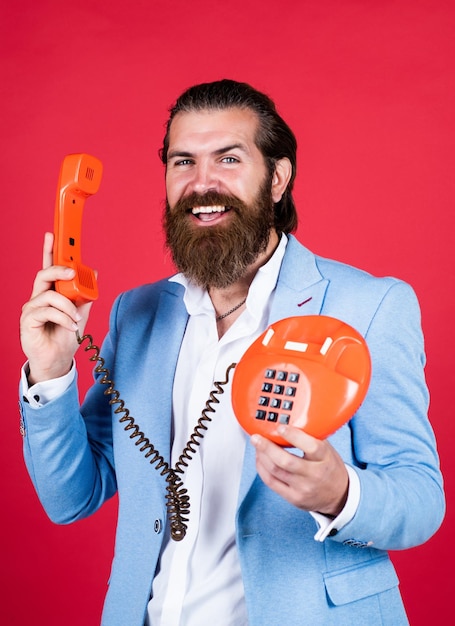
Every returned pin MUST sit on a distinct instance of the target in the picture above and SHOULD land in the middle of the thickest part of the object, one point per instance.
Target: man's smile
(209, 213)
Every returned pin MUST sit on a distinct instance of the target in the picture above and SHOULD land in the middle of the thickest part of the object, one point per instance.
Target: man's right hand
(49, 321)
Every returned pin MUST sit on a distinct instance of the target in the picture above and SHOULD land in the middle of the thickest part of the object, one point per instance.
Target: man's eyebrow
(185, 154)
(234, 146)
(178, 153)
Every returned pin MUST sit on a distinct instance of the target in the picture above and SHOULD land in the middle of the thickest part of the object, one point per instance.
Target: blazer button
(157, 526)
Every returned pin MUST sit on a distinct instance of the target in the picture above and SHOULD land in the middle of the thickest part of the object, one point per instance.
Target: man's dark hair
(274, 138)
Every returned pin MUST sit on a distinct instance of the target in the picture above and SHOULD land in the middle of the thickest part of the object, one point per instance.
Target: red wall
(368, 87)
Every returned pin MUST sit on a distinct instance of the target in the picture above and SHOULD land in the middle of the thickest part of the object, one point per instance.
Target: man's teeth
(208, 209)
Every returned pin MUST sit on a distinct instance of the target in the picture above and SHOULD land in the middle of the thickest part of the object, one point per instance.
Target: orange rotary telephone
(80, 177)
(311, 372)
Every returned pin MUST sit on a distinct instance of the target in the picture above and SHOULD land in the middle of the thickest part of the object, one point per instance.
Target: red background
(368, 87)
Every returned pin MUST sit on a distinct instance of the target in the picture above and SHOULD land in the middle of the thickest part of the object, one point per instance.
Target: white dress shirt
(199, 580)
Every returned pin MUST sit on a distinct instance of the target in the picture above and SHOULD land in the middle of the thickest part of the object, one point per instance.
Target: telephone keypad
(277, 389)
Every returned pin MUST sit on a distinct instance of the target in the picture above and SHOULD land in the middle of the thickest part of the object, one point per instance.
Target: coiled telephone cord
(177, 498)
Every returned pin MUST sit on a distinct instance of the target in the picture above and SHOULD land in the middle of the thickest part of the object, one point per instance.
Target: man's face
(219, 210)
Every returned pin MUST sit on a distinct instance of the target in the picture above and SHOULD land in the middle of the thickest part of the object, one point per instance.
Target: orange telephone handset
(80, 177)
(311, 372)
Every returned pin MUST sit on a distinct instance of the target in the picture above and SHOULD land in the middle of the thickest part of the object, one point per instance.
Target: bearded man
(296, 534)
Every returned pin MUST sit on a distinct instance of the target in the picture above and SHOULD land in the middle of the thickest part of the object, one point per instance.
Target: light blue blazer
(78, 458)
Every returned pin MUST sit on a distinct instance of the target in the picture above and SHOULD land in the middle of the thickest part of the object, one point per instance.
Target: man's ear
(281, 178)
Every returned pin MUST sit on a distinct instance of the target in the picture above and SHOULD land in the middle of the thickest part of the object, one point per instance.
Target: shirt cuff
(330, 527)
(41, 393)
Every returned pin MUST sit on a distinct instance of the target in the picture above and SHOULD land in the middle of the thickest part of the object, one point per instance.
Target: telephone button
(272, 416)
(284, 418)
(269, 373)
(279, 389)
(263, 401)
(267, 387)
(281, 375)
(293, 377)
(275, 403)
(287, 405)
(260, 415)
(290, 391)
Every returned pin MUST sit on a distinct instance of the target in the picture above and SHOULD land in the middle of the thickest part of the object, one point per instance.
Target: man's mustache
(211, 198)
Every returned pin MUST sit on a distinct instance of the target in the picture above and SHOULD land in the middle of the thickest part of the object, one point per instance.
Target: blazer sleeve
(401, 500)
(68, 450)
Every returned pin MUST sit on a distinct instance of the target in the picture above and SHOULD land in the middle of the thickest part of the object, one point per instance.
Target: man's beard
(217, 256)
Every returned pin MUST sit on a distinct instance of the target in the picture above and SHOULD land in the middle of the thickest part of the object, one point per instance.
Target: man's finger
(48, 247)
(297, 438)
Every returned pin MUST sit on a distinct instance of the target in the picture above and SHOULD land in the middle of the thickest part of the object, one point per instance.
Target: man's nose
(204, 179)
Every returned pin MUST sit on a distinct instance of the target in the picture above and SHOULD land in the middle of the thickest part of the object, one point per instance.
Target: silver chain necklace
(234, 308)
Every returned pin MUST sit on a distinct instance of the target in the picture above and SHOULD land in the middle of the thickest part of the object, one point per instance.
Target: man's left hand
(316, 481)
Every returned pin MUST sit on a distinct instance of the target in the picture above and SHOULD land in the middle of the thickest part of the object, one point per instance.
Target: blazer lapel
(167, 333)
(301, 287)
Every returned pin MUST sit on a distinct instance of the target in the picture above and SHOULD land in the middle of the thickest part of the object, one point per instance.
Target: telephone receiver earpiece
(80, 178)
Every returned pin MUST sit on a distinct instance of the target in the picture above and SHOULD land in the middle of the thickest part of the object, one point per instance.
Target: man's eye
(229, 159)
(183, 162)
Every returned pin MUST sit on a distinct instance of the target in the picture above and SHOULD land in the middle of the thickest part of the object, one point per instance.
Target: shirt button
(333, 532)
(157, 526)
